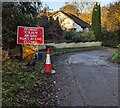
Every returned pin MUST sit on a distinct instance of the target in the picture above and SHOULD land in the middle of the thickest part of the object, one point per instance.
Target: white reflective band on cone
(48, 59)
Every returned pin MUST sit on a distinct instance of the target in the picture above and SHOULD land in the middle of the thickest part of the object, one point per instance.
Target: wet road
(86, 79)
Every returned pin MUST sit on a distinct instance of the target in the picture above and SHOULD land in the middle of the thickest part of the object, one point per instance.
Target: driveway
(86, 79)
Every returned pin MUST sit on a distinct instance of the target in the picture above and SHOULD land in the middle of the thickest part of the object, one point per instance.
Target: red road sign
(30, 35)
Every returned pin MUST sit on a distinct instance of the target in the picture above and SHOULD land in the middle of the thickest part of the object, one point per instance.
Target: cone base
(51, 73)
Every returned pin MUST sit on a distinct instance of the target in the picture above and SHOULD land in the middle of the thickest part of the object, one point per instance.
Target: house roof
(77, 20)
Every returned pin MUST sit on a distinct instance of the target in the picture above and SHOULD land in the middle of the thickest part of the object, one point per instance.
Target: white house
(70, 22)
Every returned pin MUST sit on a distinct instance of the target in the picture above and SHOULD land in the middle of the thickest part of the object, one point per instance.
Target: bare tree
(83, 7)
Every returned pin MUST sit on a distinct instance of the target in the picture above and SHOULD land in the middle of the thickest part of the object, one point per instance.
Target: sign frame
(29, 43)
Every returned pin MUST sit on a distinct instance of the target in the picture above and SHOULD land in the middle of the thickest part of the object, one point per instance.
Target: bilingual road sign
(30, 35)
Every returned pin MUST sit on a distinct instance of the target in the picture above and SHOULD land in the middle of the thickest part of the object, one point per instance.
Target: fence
(71, 45)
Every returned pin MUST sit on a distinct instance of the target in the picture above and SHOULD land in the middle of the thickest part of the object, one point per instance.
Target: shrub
(79, 39)
(111, 39)
(73, 36)
(116, 56)
(89, 36)
(68, 35)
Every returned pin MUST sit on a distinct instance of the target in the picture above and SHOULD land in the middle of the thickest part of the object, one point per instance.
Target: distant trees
(113, 17)
(77, 7)
(83, 10)
(111, 25)
(96, 21)
(83, 7)
(70, 8)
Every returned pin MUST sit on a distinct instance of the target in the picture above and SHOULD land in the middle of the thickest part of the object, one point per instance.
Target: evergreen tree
(17, 14)
(96, 21)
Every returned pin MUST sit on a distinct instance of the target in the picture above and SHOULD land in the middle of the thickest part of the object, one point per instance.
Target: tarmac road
(86, 79)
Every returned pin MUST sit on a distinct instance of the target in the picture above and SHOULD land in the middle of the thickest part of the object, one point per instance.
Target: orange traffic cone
(48, 65)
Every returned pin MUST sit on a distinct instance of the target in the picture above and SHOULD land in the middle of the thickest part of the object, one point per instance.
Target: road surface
(86, 79)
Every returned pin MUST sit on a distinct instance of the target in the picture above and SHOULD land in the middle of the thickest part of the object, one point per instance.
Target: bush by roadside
(89, 36)
(111, 39)
(116, 56)
(73, 36)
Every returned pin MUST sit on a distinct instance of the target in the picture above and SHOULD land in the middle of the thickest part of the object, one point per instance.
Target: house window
(73, 29)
